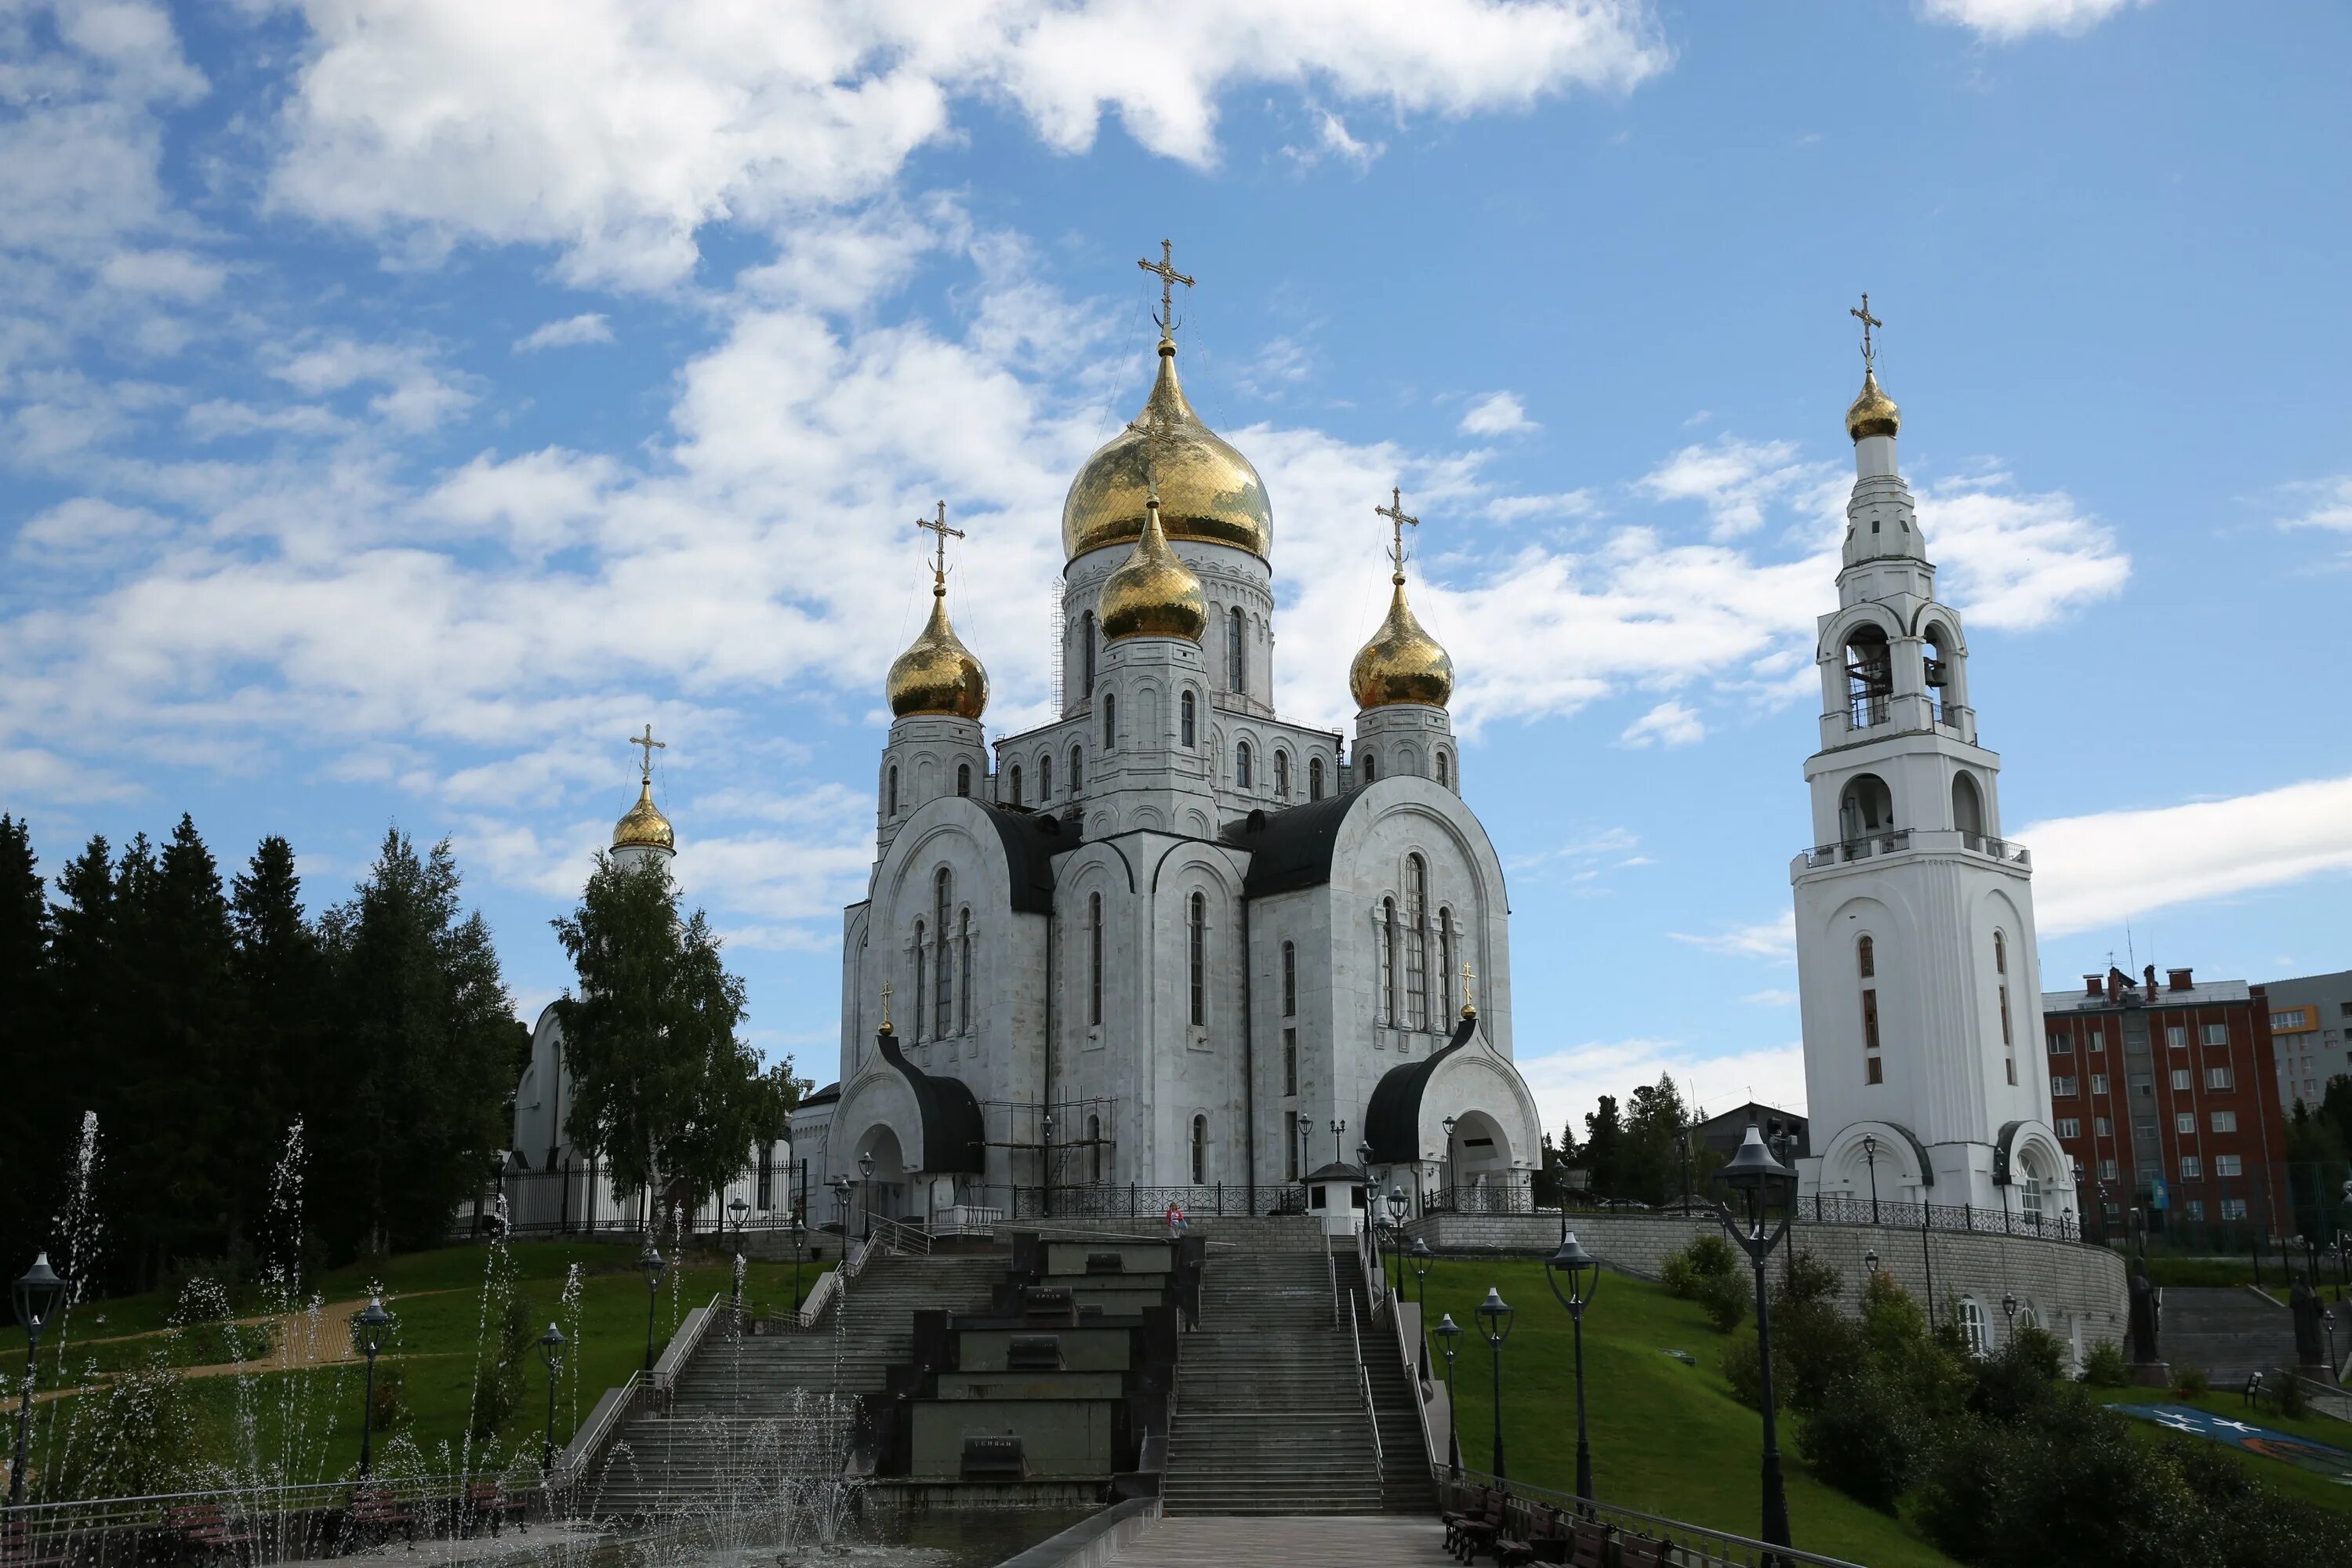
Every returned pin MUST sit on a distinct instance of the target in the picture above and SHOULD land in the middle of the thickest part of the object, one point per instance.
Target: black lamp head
(1495, 1316)
(371, 1328)
(552, 1346)
(651, 1263)
(1397, 1201)
(1757, 1176)
(40, 1296)
(1870, 1260)
(866, 1164)
(1419, 1251)
(1447, 1330)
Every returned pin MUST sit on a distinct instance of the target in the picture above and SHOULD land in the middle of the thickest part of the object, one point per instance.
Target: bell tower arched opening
(1866, 807)
(1869, 677)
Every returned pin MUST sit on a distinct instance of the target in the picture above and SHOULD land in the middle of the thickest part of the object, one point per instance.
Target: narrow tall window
(1077, 769)
(1110, 720)
(1389, 963)
(1045, 778)
(1187, 720)
(1293, 1143)
(1236, 669)
(1282, 775)
(1094, 958)
(1445, 965)
(944, 999)
(1866, 955)
(1242, 765)
(1999, 954)
(1315, 778)
(1094, 1146)
(893, 810)
(1290, 1061)
(1015, 787)
(1086, 652)
(922, 969)
(1368, 770)
(1416, 943)
(1870, 1031)
(964, 778)
(1445, 772)
(1200, 1151)
(1290, 980)
(1197, 958)
(963, 964)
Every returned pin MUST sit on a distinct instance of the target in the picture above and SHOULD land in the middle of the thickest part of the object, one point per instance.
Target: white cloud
(1734, 479)
(2328, 502)
(2006, 21)
(1775, 938)
(588, 327)
(416, 396)
(614, 130)
(1568, 1083)
(2015, 561)
(2114, 865)
(1669, 723)
(86, 527)
(1771, 997)
(1566, 504)
(1333, 139)
(1497, 413)
(170, 274)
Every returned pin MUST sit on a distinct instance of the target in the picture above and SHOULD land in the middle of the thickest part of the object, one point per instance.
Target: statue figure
(2310, 1342)
(2142, 1315)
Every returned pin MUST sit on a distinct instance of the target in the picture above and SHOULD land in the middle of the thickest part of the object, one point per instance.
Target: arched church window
(893, 791)
(922, 967)
(2000, 976)
(1416, 943)
(1086, 653)
(1187, 722)
(943, 994)
(1200, 1151)
(1077, 769)
(1242, 765)
(1016, 785)
(1196, 944)
(1445, 961)
(964, 778)
(1094, 1147)
(1444, 771)
(963, 962)
(1968, 809)
(1369, 770)
(1110, 720)
(1866, 807)
(1315, 778)
(1045, 778)
(1869, 677)
(1866, 956)
(1388, 963)
(1282, 774)
(1999, 953)
(1289, 979)
(1237, 632)
(1094, 958)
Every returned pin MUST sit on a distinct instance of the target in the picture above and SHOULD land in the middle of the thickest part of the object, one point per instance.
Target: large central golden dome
(1208, 492)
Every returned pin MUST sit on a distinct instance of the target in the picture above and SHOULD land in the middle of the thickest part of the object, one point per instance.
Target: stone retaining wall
(2076, 1293)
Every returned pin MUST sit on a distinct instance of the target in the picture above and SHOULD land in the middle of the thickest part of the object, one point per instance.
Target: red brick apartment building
(2178, 1086)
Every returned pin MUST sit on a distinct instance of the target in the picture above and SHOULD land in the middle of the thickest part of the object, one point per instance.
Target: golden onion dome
(937, 674)
(1402, 663)
(1208, 492)
(644, 826)
(1153, 593)
(1873, 413)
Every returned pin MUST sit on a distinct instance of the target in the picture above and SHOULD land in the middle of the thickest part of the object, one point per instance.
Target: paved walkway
(1357, 1541)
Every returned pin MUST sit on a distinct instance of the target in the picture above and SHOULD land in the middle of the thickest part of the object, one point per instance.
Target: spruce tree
(1604, 1142)
(36, 1114)
(282, 1009)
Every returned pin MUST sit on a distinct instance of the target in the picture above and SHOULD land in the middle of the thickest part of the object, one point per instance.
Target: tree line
(1643, 1153)
(201, 1018)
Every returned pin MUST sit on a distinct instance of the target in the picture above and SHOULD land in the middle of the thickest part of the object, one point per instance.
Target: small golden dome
(1873, 413)
(937, 674)
(1402, 663)
(1153, 593)
(644, 828)
(1208, 492)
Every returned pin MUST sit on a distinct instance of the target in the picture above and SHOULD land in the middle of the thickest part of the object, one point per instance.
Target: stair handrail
(1364, 1386)
(682, 1345)
(1332, 1268)
(590, 1437)
(900, 1237)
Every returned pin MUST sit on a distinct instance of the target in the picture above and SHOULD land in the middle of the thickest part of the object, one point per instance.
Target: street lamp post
(371, 1331)
(1046, 1166)
(1573, 1261)
(651, 1263)
(1870, 1260)
(800, 1233)
(1337, 1128)
(739, 1208)
(39, 1297)
(1421, 1256)
(1449, 1334)
(841, 1190)
(552, 1345)
(2009, 1310)
(865, 1190)
(1495, 1319)
(1768, 1190)
(1397, 1202)
(1870, 1159)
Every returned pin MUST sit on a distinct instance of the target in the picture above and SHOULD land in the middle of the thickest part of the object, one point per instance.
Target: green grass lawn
(442, 1341)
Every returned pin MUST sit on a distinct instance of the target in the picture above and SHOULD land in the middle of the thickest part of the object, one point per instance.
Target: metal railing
(1110, 1201)
(1364, 1386)
(1530, 1512)
(1331, 1266)
(900, 1237)
(1833, 1208)
(35, 1522)
(1896, 840)
(1500, 1198)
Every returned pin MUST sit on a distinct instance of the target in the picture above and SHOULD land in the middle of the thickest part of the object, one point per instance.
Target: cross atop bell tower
(1398, 518)
(1165, 269)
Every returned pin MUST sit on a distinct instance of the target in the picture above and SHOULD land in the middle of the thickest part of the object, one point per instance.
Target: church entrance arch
(1478, 1169)
(886, 1191)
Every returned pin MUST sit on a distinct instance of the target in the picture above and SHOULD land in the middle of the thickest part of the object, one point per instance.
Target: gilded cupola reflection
(937, 674)
(1402, 663)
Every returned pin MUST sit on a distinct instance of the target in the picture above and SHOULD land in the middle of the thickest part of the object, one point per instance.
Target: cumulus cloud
(614, 130)
(2006, 21)
(1497, 413)
(1668, 724)
(1569, 1081)
(2326, 504)
(1734, 480)
(416, 396)
(590, 327)
(2107, 868)
(1775, 938)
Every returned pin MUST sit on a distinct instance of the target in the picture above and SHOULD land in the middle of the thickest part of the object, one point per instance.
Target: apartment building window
(2106, 1170)
(2218, 1078)
(2217, 1033)
(2191, 1168)
(2288, 1023)
(2185, 1123)
(2061, 1045)
(1289, 979)
(2196, 1211)
(2098, 1083)
(2062, 1089)
(2233, 1208)
(2098, 1041)
(2070, 1126)
(2177, 1036)
(2225, 1121)
(2102, 1127)
(2228, 1166)
(2181, 1079)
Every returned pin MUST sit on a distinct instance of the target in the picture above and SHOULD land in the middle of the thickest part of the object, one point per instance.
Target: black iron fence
(1136, 1202)
(1832, 1209)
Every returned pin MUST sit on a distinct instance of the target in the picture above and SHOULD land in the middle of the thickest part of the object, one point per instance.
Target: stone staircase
(1269, 1416)
(2229, 1333)
(747, 1411)
(1405, 1486)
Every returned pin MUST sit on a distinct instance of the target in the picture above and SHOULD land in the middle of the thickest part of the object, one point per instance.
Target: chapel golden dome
(1402, 663)
(937, 674)
(1208, 492)
(1153, 593)
(1873, 412)
(644, 826)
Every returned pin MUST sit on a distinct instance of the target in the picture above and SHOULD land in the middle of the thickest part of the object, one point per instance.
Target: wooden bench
(1640, 1551)
(375, 1513)
(207, 1528)
(1587, 1544)
(1482, 1532)
(491, 1501)
(1456, 1520)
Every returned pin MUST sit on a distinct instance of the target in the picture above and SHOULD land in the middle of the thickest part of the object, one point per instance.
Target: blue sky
(400, 404)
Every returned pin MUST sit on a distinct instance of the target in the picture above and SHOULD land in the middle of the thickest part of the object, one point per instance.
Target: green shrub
(1742, 1369)
(1815, 1347)
(2250, 1524)
(2064, 1484)
(1678, 1276)
(1807, 1278)
(2104, 1366)
(1865, 1439)
(1725, 1298)
(2191, 1381)
(1710, 1255)
(2282, 1392)
(139, 1440)
(1685, 1274)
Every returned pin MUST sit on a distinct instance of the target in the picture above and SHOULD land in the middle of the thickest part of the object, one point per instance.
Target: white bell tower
(1925, 1077)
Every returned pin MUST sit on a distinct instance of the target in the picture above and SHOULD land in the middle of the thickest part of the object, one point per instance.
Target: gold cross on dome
(646, 744)
(886, 1006)
(1469, 994)
(1165, 269)
(940, 527)
(1398, 517)
(1869, 351)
